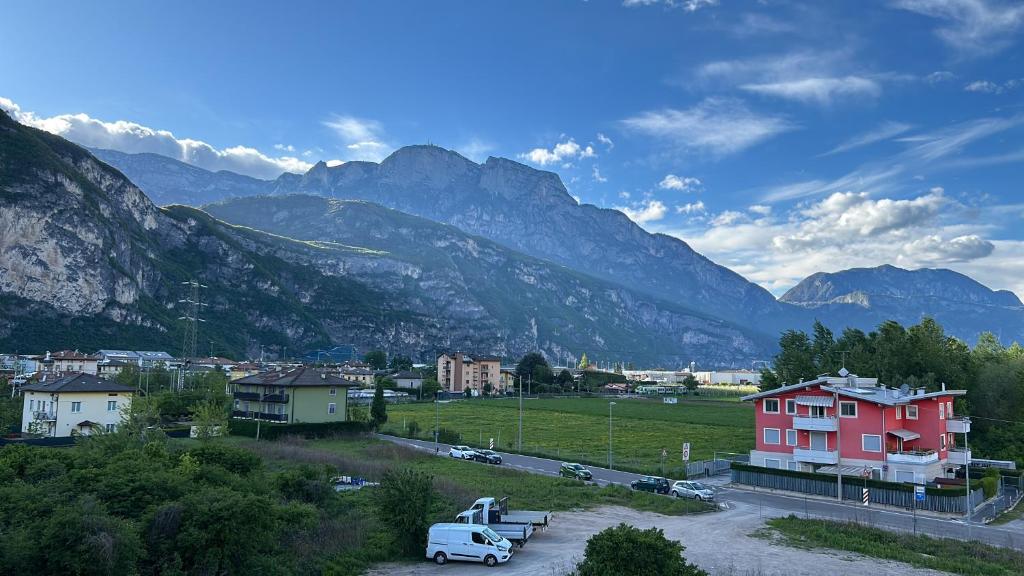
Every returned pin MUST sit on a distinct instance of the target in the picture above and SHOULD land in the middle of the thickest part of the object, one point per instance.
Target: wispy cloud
(752, 23)
(361, 137)
(595, 173)
(972, 27)
(719, 126)
(987, 87)
(818, 90)
(686, 5)
(884, 131)
(475, 149)
(130, 137)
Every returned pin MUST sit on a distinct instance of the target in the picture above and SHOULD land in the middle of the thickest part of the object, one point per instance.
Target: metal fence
(853, 490)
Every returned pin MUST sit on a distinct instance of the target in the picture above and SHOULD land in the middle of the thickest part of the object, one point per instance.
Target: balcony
(913, 457)
(259, 416)
(959, 457)
(958, 426)
(815, 423)
(247, 395)
(276, 398)
(816, 456)
(44, 416)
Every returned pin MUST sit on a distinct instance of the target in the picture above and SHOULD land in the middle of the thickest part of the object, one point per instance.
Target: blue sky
(778, 138)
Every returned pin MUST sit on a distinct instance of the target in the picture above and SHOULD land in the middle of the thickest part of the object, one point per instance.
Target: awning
(905, 434)
(87, 424)
(815, 401)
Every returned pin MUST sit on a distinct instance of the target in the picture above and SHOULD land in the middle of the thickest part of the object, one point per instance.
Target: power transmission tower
(193, 305)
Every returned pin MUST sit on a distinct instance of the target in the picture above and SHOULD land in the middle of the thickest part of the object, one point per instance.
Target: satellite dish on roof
(904, 389)
(844, 372)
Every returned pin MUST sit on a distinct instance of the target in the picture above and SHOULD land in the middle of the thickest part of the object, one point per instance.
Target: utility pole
(839, 451)
(967, 473)
(193, 307)
(520, 441)
(437, 420)
(610, 404)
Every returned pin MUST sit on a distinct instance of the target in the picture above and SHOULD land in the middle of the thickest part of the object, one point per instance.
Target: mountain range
(421, 252)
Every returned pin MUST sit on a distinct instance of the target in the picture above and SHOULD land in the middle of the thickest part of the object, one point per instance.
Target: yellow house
(78, 403)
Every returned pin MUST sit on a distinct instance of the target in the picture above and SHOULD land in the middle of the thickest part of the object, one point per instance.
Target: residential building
(899, 435)
(364, 376)
(408, 379)
(69, 361)
(76, 403)
(297, 395)
(458, 372)
(243, 369)
(110, 368)
(506, 380)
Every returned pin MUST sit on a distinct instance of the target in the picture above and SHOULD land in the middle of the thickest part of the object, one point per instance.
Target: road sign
(919, 493)
(664, 453)
(491, 444)
(864, 496)
(686, 451)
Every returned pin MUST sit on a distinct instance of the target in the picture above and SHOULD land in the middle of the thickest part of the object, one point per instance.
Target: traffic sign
(492, 444)
(919, 493)
(864, 496)
(686, 451)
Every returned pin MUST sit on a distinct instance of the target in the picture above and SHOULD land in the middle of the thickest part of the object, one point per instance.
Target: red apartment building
(900, 435)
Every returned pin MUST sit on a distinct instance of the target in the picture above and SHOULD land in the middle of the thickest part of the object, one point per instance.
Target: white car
(464, 452)
(467, 542)
(690, 489)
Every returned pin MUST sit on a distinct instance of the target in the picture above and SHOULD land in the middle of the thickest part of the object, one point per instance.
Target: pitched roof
(301, 376)
(407, 375)
(77, 382)
(72, 355)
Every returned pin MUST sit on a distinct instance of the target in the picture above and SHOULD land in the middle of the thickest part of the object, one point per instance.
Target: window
(478, 538)
(911, 412)
(949, 409)
(942, 411)
(790, 406)
(111, 405)
(771, 405)
(793, 465)
(817, 411)
(772, 463)
(899, 412)
(76, 407)
(942, 442)
(790, 437)
(333, 392)
(848, 409)
(111, 427)
(332, 408)
(31, 404)
(871, 442)
(771, 435)
(904, 476)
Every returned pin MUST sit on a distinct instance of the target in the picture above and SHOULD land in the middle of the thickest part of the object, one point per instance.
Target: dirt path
(719, 543)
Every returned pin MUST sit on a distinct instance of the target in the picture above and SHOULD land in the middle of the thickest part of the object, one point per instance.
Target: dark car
(573, 470)
(487, 456)
(655, 484)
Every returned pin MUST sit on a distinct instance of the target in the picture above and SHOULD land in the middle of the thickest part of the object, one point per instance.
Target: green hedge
(858, 480)
(271, 431)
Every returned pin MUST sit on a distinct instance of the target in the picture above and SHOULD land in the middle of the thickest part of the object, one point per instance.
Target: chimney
(943, 386)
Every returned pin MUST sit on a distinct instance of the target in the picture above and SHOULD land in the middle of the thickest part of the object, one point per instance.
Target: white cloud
(476, 149)
(751, 24)
(933, 248)
(988, 87)
(361, 137)
(608, 144)
(728, 218)
(130, 137)
(596, 174)
(284, 147)
(646, 211)
(760, 209)
(692, 208)
(939, 76)
(624, 195)
(681, 183)
(716, 125)
(818, 90)
(882, 132)
(560, 153)
(972, 26)
(687, 5)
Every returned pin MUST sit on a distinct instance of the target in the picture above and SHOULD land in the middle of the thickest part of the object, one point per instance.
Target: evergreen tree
(378, 408)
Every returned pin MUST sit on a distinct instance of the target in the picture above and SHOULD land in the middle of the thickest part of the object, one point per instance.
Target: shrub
(627, 551)
(446, 436)
(235, 460)
(404, 499)
(413, 428)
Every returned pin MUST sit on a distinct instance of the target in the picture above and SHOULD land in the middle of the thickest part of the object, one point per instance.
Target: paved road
(812, 507)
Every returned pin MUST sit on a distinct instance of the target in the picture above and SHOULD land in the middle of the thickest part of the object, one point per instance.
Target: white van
(467, 542)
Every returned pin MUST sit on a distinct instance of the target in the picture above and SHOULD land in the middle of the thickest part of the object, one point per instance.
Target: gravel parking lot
(719, 543)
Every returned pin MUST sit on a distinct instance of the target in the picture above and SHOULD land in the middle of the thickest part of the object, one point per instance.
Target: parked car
(487, 456)
(690, 489)
(464, 452)
(655, 484)
(577, 471)
(467, 542)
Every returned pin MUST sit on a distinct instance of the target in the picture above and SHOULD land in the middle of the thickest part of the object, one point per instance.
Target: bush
(628, 551)
(446, 436)
(990, 485)
(270, 431)
(235, 460)
(413, 428)
(404, 499)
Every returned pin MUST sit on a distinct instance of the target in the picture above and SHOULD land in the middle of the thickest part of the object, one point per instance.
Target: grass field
(577, 428)
(957, 557)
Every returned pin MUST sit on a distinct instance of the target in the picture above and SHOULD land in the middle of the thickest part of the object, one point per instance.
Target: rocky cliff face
(87, 260)
(864, 297)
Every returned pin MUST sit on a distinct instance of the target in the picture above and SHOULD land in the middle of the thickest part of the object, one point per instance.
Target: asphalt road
(805, 507)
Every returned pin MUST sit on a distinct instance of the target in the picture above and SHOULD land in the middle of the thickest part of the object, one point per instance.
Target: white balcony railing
(958, 457)
(914, 457)
(44, 416)
(815, 456)
(815, 423)
(958, 426)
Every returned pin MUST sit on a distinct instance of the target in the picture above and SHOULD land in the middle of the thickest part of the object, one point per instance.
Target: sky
(779, 138)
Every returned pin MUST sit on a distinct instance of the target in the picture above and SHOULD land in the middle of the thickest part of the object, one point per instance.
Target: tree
(627, 551)
(488, 388)
(430, 387)
(691, 383)
(377, 359)
(400, 363)
(564, 378)
(210, 420)
(404, 500)
(379, 408)
(533, 365)
(795, 360)
(583, 361)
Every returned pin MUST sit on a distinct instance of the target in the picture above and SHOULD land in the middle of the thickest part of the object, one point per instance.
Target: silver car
(463, 452)
(691, 489)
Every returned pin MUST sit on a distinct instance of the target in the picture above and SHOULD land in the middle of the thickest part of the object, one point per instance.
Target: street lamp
(610, 404)
(967, 474)
(437, 420)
